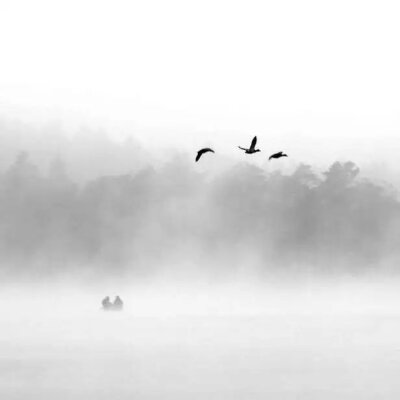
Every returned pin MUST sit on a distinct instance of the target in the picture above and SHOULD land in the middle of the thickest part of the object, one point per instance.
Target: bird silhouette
(202, 151)
(252, 148)
(277, 155)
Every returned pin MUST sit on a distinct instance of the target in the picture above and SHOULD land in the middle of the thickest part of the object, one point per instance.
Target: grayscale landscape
(199, 200)
(237, 281)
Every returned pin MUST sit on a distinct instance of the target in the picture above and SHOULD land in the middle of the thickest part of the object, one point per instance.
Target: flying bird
(202, 151)
(277, 155)
(252, 148)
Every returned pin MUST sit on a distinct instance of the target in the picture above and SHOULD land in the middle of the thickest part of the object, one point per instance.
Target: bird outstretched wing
(202, 151)
(253, 143)
(277, 155)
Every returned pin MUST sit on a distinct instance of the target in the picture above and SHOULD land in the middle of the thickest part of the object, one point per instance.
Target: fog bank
(122, 213)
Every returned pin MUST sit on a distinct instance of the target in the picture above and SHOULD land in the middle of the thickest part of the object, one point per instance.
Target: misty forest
(147, 216)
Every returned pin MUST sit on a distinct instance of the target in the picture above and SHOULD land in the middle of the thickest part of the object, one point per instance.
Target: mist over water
(240, 279)
(180, 341)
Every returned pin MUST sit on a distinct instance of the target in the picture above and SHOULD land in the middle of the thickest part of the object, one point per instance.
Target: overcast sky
(319, 80)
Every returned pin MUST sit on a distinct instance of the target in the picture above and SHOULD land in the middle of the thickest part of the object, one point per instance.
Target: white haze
(179, 340)
(242, 279)
(317, 80)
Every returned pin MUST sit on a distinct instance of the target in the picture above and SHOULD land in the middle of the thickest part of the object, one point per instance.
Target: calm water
(322, 343)
(96, 355)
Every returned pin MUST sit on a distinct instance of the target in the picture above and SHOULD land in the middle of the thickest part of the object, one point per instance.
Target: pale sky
(313, 78)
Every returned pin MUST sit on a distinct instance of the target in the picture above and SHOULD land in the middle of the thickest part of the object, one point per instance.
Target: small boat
(107, 305)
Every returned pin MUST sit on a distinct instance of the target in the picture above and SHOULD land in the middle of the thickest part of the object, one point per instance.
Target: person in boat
(106, 303)
(118, 303)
